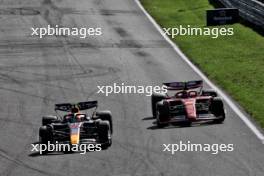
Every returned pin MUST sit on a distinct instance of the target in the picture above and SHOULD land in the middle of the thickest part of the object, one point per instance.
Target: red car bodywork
(187, 104)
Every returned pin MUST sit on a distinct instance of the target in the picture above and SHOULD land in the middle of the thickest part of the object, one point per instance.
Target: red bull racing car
(188, 103)
(76, 127)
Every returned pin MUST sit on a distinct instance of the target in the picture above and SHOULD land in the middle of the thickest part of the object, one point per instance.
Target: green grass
(236, 63)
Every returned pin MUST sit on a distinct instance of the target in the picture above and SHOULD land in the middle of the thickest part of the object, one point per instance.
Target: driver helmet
(184, 94)
(75, 111)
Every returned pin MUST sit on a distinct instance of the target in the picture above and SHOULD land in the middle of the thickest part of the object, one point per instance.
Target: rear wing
(81, 106)
(184, 85)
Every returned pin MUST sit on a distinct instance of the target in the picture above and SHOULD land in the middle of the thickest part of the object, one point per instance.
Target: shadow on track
(148, 118)
(37, 154)
(177, 125)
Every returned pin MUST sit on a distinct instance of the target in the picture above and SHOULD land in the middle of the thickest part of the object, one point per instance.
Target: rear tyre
(217, 108)
(209, 92)
(49, 119)
(161, 125)
(162, 114)
(45, 136)
(155, 98)
(106, 115)
(104, 134)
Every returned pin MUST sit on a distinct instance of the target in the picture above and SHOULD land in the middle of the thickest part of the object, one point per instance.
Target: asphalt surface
(36, 73)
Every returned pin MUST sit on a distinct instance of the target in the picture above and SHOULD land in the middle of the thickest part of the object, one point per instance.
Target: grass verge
(236, 63)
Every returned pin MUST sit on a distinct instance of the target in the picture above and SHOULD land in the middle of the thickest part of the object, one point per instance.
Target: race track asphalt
(36, 73)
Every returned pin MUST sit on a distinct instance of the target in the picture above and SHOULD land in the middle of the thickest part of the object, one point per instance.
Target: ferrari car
(188, 103)
(73, 126)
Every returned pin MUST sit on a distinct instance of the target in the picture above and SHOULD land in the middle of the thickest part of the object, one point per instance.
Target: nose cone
(190, 108)
(75, 133)
(74, 139)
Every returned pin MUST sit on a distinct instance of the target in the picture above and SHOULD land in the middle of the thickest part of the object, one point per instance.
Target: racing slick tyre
(106, 115)
(155, 98)
(209, 92)
(217, 108)
(104, 134)
(45, 136)
(49, 119)
(162, 114)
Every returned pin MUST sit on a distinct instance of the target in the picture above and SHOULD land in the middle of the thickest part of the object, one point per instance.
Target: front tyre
(162, 114)
(46, 120)
(217, 108)
(45, 136)
(106, 116)
(155, 98)
(104, 134)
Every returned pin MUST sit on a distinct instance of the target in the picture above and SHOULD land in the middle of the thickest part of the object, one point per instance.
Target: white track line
(232, 105)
